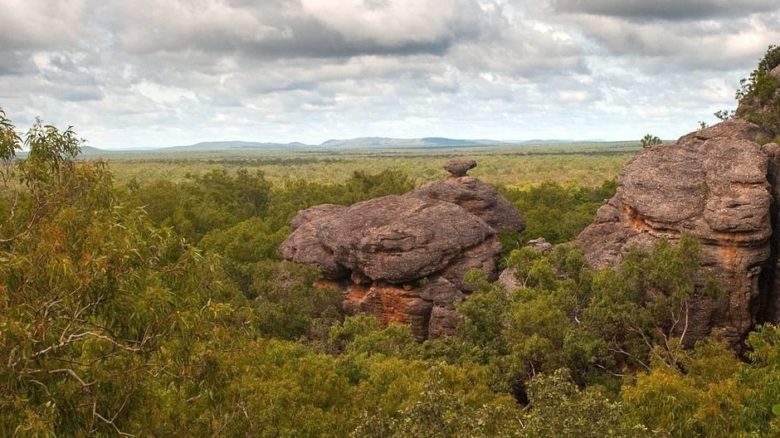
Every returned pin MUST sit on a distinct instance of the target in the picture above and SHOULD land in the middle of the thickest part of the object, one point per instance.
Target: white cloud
(164, 94)
(41, 24)
(147, 72)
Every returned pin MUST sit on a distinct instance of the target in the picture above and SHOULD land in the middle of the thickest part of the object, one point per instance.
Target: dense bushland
(759, 94)
(161, 309)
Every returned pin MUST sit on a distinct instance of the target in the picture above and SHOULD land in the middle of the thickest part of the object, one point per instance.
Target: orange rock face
(719, 185)
(391, 305)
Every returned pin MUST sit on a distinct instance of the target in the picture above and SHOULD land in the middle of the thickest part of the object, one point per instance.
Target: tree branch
(74, 375)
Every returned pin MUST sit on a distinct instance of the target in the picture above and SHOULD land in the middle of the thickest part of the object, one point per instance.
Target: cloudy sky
(143, 73)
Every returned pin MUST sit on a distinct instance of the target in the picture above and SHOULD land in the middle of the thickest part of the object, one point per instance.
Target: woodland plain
(145, 296)
(142, 294)
(585, 164)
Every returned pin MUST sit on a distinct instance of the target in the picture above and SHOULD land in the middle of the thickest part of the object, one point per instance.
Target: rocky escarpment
(403, 258)
(720, 185)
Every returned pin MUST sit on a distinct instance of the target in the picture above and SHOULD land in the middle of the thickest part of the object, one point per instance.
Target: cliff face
(719, 185)
(403, 258)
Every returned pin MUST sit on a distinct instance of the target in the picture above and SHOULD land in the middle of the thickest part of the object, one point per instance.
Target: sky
(149, 73)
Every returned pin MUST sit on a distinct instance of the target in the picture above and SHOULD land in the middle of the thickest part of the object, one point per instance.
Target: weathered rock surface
(540, 244)
(314, 213)
(478, 198)
(403, 258)
(717, 184)
(459, 167)
(508, 280)
(391, 304)
(429, 310)
(775, 72)
(303, 245)
(770, 300)
(394, 239)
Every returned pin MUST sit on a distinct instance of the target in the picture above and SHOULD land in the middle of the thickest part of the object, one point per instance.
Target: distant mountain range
(334, 145)
(387, 142)
(232, 145)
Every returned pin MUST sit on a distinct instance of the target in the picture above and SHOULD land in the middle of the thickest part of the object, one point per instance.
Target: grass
(582, 164)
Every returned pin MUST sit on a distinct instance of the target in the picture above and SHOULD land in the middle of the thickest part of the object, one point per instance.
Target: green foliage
(9, 139)
(557, 213)
(711, 392)
(724, 115)
(600, 325)
(759, 94)
(559, 408)
(756, 84)
(49, 150)
(675, 404)
(416, 398)
(287, 303)
(294, 195)
(650, 140)
(91, 293)
(484, 317)
(204, 203)
(247, 242)
(162, 310)
(362, 336)
(583, 164)
(762, 381)
(111, 324)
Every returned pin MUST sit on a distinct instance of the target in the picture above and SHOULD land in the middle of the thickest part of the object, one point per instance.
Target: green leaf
(776, 410)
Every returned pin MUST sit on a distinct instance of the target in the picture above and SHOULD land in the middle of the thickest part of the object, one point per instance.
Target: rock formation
(459, 167)
(476, 197)
(720, 185)
(403, 258)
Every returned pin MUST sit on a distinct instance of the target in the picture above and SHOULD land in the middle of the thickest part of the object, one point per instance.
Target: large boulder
(476, 197)
(459, 167)
(403, 258)
(715, 184)
(304, 246)
(394, 239)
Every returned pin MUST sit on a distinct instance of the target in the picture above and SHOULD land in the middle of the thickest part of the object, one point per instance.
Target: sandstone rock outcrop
(394, 239)
(720, 185)
(476, 197)
(459, 167)
(403, 258)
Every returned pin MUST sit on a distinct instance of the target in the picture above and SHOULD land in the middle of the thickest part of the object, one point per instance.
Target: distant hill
(86, 151)
(542, 141)
(90, 151)
(387, 142)
(336, 145)
(232, 145)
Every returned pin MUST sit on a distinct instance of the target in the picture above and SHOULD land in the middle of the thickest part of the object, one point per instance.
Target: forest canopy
(160, 308)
